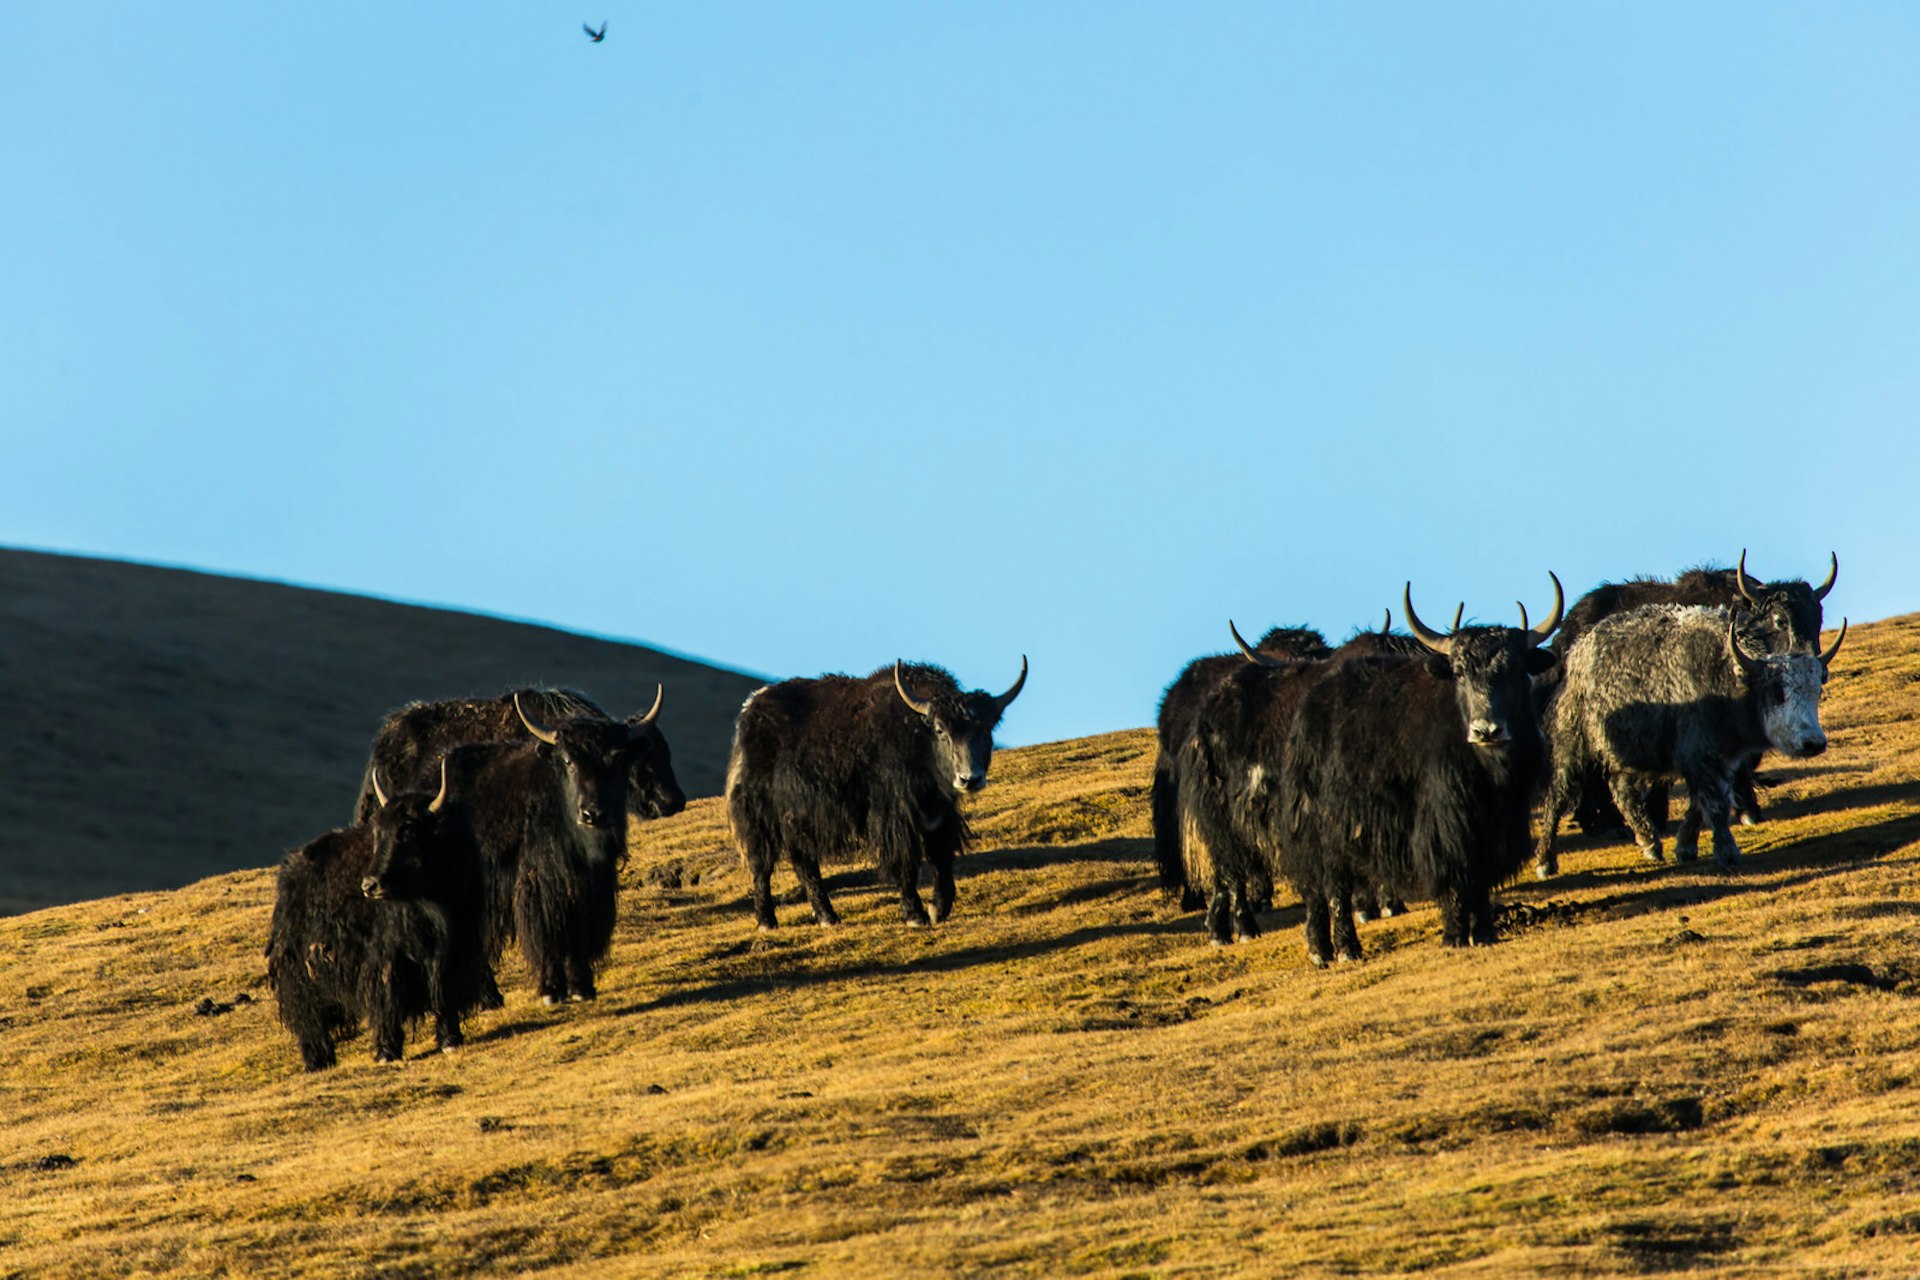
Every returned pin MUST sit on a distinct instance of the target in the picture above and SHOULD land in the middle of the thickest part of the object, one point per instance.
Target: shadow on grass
(802, 975)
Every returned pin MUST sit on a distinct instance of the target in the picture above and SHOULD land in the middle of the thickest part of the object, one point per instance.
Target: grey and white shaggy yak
(829, 763)
(1668, 691)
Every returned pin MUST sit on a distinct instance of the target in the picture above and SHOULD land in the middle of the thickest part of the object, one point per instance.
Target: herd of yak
(1395, 766)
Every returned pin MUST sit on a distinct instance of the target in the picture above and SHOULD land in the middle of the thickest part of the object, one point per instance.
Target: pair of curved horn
(925, 705)
(1443, 644)
(1749, 584)
(380, 792)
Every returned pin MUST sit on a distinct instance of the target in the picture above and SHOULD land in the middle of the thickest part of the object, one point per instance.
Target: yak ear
(1439, 667)
(1541, 661)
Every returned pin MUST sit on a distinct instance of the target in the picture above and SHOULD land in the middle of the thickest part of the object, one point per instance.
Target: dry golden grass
(1658, 1071)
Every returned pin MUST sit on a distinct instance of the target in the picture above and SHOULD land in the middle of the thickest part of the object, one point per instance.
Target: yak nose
(370, 886)
(589, 815)
(972, 781)
(1486, 733)
(1813, 746)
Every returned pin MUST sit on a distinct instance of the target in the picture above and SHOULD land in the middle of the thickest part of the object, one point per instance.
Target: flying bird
(599, 35)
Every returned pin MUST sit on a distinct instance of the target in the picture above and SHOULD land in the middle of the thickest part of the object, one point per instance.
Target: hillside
(1656, 1071)
(164, 725)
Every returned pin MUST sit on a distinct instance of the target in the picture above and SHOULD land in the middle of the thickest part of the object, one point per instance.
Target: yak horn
(924, 708)
(379, 792)
(1748, 665)
(1386, 625)
(1827, 657)
(653, 712)
(1421, 631)
(1552, 624)
(1833, 571)
(547, 736)
(1254, 656)
(440, 799)
(1741, 577)
(1018, 685)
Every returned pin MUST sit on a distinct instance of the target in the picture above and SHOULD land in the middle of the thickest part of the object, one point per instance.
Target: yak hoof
(551, 1001)
(1748, 818)
(918, 922)
(1219, 941)
(1728, 857)
(1652, 852)
(1547, 868)
(1316, 959)
(1685, 850)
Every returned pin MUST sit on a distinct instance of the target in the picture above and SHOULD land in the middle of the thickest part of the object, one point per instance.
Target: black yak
(381, 922)
(549, 811)
(1177, 707)
(1670, 691)
(411, 741)
(1788, 619)
(1415, 774)
(826, 763)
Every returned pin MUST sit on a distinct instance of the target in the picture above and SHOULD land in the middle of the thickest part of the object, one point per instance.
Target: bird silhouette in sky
(599, 35)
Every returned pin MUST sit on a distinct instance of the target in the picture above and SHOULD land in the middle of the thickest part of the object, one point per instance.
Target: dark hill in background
(162, 725)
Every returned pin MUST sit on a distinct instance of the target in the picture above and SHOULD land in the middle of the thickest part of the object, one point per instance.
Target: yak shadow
(801, 976)
(1840, 801)
(1803, 862)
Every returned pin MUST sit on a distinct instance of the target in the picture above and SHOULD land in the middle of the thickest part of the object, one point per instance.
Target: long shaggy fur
(336, 957)
(828, 764)
(552, 876)
(1381, 786)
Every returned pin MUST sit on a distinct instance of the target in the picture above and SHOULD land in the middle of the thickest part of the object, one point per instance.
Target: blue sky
(799, 337)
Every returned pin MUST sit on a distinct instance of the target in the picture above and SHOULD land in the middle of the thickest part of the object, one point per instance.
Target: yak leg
(1319, 927)
(1561, 789)
(1345, 937)
(1479, 906)
(912, 910)
(1220, 913)
(1245, 893)
(760, 862)
(1713, 794)
(580, 984)
(1686, 839)
(1746, 799)
(1391, 903)
(316, 1052)
(1658, 808)
(1453, 917)
(942, 845)
(383, 1019)
(1632, 802)
(807, 868)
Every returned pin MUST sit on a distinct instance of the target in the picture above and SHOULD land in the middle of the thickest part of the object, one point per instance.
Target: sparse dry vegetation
(1658, 1070)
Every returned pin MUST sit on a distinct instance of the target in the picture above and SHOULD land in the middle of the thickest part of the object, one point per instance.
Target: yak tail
(1168, 835)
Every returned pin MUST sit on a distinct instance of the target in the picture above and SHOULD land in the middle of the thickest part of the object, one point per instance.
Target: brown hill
(165, 725)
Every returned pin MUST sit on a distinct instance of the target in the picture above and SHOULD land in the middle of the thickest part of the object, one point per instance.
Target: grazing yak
(411, 741)
(822, 764)
(549, 812)
(1787, 618)
(1231, 751)
(1177, 708)
(1415, 774)
(1670, 691)
(381, 922)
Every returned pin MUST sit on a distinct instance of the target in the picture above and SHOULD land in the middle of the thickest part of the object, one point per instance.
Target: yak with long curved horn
(547, 736)
(1826, 659)
(1833, 571)
(1019, 684)
(924, 708)
(1426, 635)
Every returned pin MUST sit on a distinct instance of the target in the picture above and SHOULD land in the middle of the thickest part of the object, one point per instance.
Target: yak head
(961, 726)
(1492, 669)
(593, 756)
(1786, 690)
(406, 841)
(652, 790)
(1788, 611)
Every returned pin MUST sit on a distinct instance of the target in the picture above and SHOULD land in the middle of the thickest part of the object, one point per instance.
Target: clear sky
(800, 336)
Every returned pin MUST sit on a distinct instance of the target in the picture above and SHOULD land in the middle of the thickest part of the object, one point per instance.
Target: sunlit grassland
(1657, 1070)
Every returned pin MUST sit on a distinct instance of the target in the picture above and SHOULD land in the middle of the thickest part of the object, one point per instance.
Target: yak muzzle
(372, 887)
(1488, 733)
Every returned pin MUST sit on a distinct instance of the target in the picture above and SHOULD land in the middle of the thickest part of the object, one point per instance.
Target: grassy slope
(1658, 1070)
